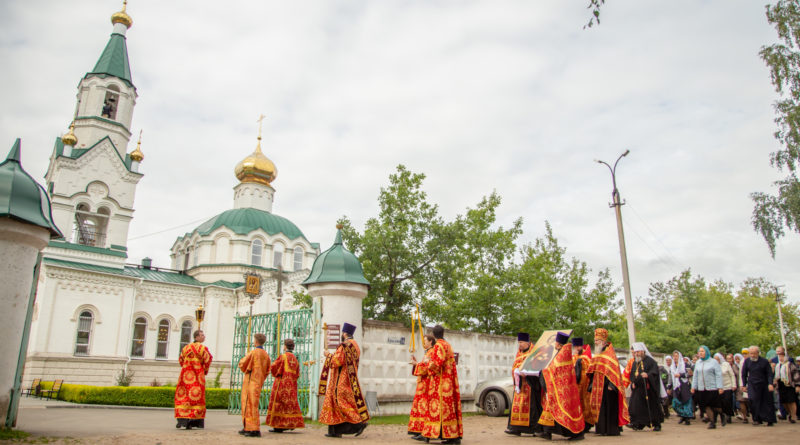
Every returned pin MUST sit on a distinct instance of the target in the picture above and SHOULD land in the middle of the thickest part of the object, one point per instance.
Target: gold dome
(137, 155)
(122, 16)
(256, 168)
(70, 138)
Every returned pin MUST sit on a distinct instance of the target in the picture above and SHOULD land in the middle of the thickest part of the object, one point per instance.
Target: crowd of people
(729, 387)
(580, 388)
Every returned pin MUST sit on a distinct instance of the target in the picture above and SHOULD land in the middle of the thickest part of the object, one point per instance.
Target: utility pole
(780, 318)
(626, 283)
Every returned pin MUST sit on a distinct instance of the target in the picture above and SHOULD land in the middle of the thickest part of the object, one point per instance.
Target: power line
(672, 257)
(169, 229)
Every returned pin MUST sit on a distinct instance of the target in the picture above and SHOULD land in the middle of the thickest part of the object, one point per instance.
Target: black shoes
(657, 428)
(712, 425)
(252, 434)
(242, 432)
(421, 438)
(457, 440)
(361, 428)
(333, 435)
(513, 433)
(276, 430)
(578, 437)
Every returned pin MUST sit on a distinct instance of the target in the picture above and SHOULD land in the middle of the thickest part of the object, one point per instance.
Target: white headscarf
(720, 358)
(741, 363)
(639, 346)
(677, 367)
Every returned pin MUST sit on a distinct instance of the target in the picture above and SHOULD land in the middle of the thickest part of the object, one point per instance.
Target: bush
(133, 395)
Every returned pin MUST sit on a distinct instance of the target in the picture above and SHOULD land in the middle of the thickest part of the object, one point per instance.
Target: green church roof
(336, 265)
(245, 220)
(21, 197)
(114, 60)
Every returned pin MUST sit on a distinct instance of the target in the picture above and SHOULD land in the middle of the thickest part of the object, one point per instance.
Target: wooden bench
(53, 392)
(34, 389)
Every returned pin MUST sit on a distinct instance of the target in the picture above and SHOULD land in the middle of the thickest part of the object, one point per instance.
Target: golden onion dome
(70, 138)
(256, 168)
(137, 155)
(122, 16)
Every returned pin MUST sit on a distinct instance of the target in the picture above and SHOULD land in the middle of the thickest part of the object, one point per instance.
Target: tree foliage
(464, 273)
(594, 5)
(774, 213)
(686, 312)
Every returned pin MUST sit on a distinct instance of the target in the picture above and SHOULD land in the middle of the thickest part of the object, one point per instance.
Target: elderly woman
(742, 402)
(787, 382)
(728, 385)
(681, 389)
(707, 384)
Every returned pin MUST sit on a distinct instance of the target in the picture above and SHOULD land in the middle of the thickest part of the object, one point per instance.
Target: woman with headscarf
(741, 392)
(787, 382)
(681, 389)
(728, 386)
(707, 384)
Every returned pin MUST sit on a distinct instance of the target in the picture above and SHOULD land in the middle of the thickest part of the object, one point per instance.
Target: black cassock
(757, 376)
(608, 417)
(535, 409)
(645, 404)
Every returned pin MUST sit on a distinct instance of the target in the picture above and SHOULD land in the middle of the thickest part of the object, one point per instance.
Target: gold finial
(137, 155)
(122, 16)
(260, 120)
(70, 138)
(339, 226)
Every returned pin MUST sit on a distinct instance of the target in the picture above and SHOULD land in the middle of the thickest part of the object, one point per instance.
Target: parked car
(494, 396)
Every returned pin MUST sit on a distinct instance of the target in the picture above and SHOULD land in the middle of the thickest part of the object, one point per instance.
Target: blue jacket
(707, 375)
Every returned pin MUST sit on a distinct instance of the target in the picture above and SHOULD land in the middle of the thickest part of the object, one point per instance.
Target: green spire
(336, 265)
(21, 197)
(114, 60)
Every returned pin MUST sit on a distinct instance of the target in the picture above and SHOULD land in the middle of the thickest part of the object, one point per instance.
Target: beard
(637, 359)
(598, 349)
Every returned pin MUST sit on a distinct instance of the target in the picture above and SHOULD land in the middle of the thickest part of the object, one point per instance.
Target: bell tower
(91, 177)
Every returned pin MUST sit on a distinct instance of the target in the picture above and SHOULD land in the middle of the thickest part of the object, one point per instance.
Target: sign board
(333, 336)
(543, 351)
(396, 340)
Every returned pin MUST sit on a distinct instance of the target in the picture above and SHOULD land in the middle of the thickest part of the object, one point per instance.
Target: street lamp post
(780, 317)
(626, 283)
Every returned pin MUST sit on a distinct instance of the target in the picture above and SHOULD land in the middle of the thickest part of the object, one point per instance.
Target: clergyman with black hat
(561, 408)
(344, 409)
(527, 404)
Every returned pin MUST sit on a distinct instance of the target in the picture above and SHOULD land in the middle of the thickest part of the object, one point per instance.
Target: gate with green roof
(301, 325)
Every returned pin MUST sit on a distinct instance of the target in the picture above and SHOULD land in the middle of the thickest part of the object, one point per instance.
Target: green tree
(548, 290)
(774, 213)
(756, 302)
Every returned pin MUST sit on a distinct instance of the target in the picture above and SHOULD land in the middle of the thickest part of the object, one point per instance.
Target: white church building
(95, 314)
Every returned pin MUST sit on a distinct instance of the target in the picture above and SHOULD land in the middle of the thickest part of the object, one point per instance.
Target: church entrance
(300, 325)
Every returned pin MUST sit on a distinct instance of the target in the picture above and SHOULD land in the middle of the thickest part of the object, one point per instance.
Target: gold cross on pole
(260, 119)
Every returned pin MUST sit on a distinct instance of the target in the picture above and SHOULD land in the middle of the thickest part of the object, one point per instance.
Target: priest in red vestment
(444, 411)
(284, 409)
(190, 393)
(609, 407)
(255, 366)
(419, 407)
(561, 407)
(527, 403)
(581, 357)
(344, 409)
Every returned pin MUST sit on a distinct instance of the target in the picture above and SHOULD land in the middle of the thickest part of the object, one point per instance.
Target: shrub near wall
(133, 395)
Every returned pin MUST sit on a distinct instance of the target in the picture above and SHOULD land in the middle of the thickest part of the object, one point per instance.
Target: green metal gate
(298, 325)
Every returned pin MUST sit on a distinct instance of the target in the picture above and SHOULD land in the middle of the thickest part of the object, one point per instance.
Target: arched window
(186, 258)
(84, 333)
(186, 334)
(298, 258)
(277, 255)
(89, 228)
(139, 333)
(163, 339)
(257, 247)
(195, 251)
(111, 102)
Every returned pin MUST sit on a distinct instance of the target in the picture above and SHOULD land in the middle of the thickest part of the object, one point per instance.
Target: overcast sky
(512, 96)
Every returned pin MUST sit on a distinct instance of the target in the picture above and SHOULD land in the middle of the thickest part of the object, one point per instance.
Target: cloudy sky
(512, 96)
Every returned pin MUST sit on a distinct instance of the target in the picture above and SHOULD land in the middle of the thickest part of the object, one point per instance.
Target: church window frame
(139, 337)
(83, 335)
(90, 228)
(256, 252)
(110, 103)
(277, 255)
(162, 343)
(186, 256)
(298, 258)
(195, 255)
(186, 334)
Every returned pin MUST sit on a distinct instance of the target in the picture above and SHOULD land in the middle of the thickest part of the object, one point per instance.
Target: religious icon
(253, 285)
(543, 351)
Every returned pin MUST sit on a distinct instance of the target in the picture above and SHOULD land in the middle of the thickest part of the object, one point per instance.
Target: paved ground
(62, 423)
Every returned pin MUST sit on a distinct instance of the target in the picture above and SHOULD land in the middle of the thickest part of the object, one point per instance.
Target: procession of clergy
(577, 390)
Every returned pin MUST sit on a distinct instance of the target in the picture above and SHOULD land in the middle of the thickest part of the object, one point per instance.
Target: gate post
(338, 288)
